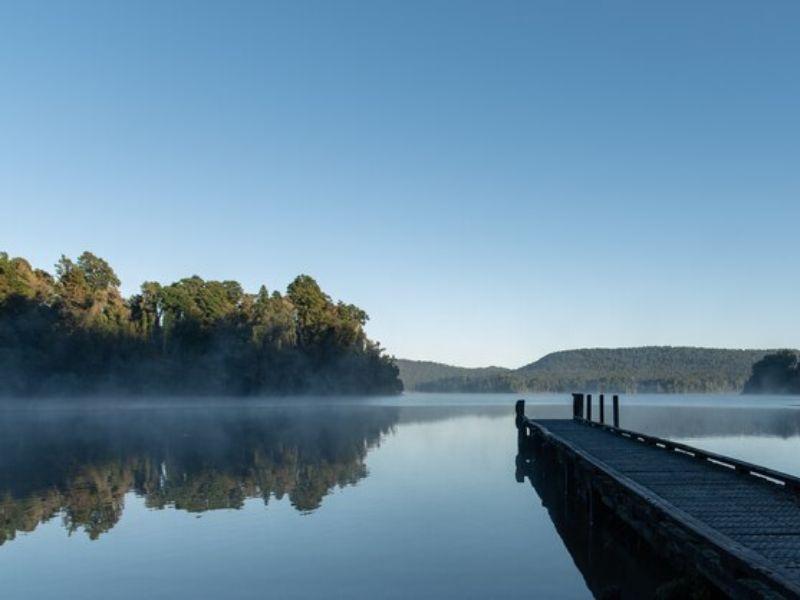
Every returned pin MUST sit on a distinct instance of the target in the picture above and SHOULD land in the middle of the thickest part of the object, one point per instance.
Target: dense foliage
(777, 373)
(661, 369)
(74, 333)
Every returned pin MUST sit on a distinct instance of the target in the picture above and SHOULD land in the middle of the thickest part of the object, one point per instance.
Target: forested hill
(643, 369)
(73, 333)
(414, 373)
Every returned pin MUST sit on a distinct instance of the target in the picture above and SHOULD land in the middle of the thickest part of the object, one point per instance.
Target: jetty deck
(737, 523)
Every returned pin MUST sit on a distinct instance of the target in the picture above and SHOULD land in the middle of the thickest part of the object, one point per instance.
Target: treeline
(74, 333)
(651, 369)
(553, 384)
(416, 373)
(777, 373)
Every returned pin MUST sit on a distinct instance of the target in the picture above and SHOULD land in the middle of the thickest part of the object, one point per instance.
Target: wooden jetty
(734, 523)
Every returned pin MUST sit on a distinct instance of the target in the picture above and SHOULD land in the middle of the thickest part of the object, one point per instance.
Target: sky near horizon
(490, 181)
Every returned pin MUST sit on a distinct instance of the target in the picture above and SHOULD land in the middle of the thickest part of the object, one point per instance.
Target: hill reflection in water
(81, 464)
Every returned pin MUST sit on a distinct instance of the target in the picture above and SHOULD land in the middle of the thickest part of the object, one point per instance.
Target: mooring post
(577, 406)
(616, 411)
(602, 409)
(588, 407)
(522, 429)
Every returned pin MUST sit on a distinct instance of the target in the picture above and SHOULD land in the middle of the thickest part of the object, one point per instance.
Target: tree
(97, 272)
(777, 373)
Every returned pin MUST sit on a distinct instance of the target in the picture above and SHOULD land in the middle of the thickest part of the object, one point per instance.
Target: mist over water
(377, 497)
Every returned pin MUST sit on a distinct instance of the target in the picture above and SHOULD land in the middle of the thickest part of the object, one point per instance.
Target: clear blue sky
(491, 181)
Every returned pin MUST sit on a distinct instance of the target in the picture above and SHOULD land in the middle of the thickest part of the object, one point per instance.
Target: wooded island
(74, 333)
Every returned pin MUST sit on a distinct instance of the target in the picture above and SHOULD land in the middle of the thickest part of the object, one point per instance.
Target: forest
(647, 369)
(777, 373)
(73, 333)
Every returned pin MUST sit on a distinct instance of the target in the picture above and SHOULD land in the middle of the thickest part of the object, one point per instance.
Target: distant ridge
(414, 373)
(660, 369)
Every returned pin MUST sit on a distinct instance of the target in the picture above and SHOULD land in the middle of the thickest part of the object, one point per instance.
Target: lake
(410, 496)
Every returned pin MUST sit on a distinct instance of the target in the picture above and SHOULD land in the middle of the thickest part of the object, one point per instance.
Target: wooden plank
(752, 521)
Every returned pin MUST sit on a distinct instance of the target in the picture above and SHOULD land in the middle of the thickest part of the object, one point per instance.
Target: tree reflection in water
(80, 464)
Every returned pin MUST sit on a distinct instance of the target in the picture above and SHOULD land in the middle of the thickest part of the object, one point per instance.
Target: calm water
(395, 497)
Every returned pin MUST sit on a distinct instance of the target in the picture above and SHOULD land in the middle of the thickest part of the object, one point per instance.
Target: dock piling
(577, 406)
(588, 407)
(602, 409)
(519, 410)
(616, 411)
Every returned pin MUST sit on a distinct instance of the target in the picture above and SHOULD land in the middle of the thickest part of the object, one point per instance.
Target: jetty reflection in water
(80, 465)
(613, 561)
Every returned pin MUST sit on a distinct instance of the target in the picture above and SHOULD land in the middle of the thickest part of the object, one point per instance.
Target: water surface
(384, 497)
